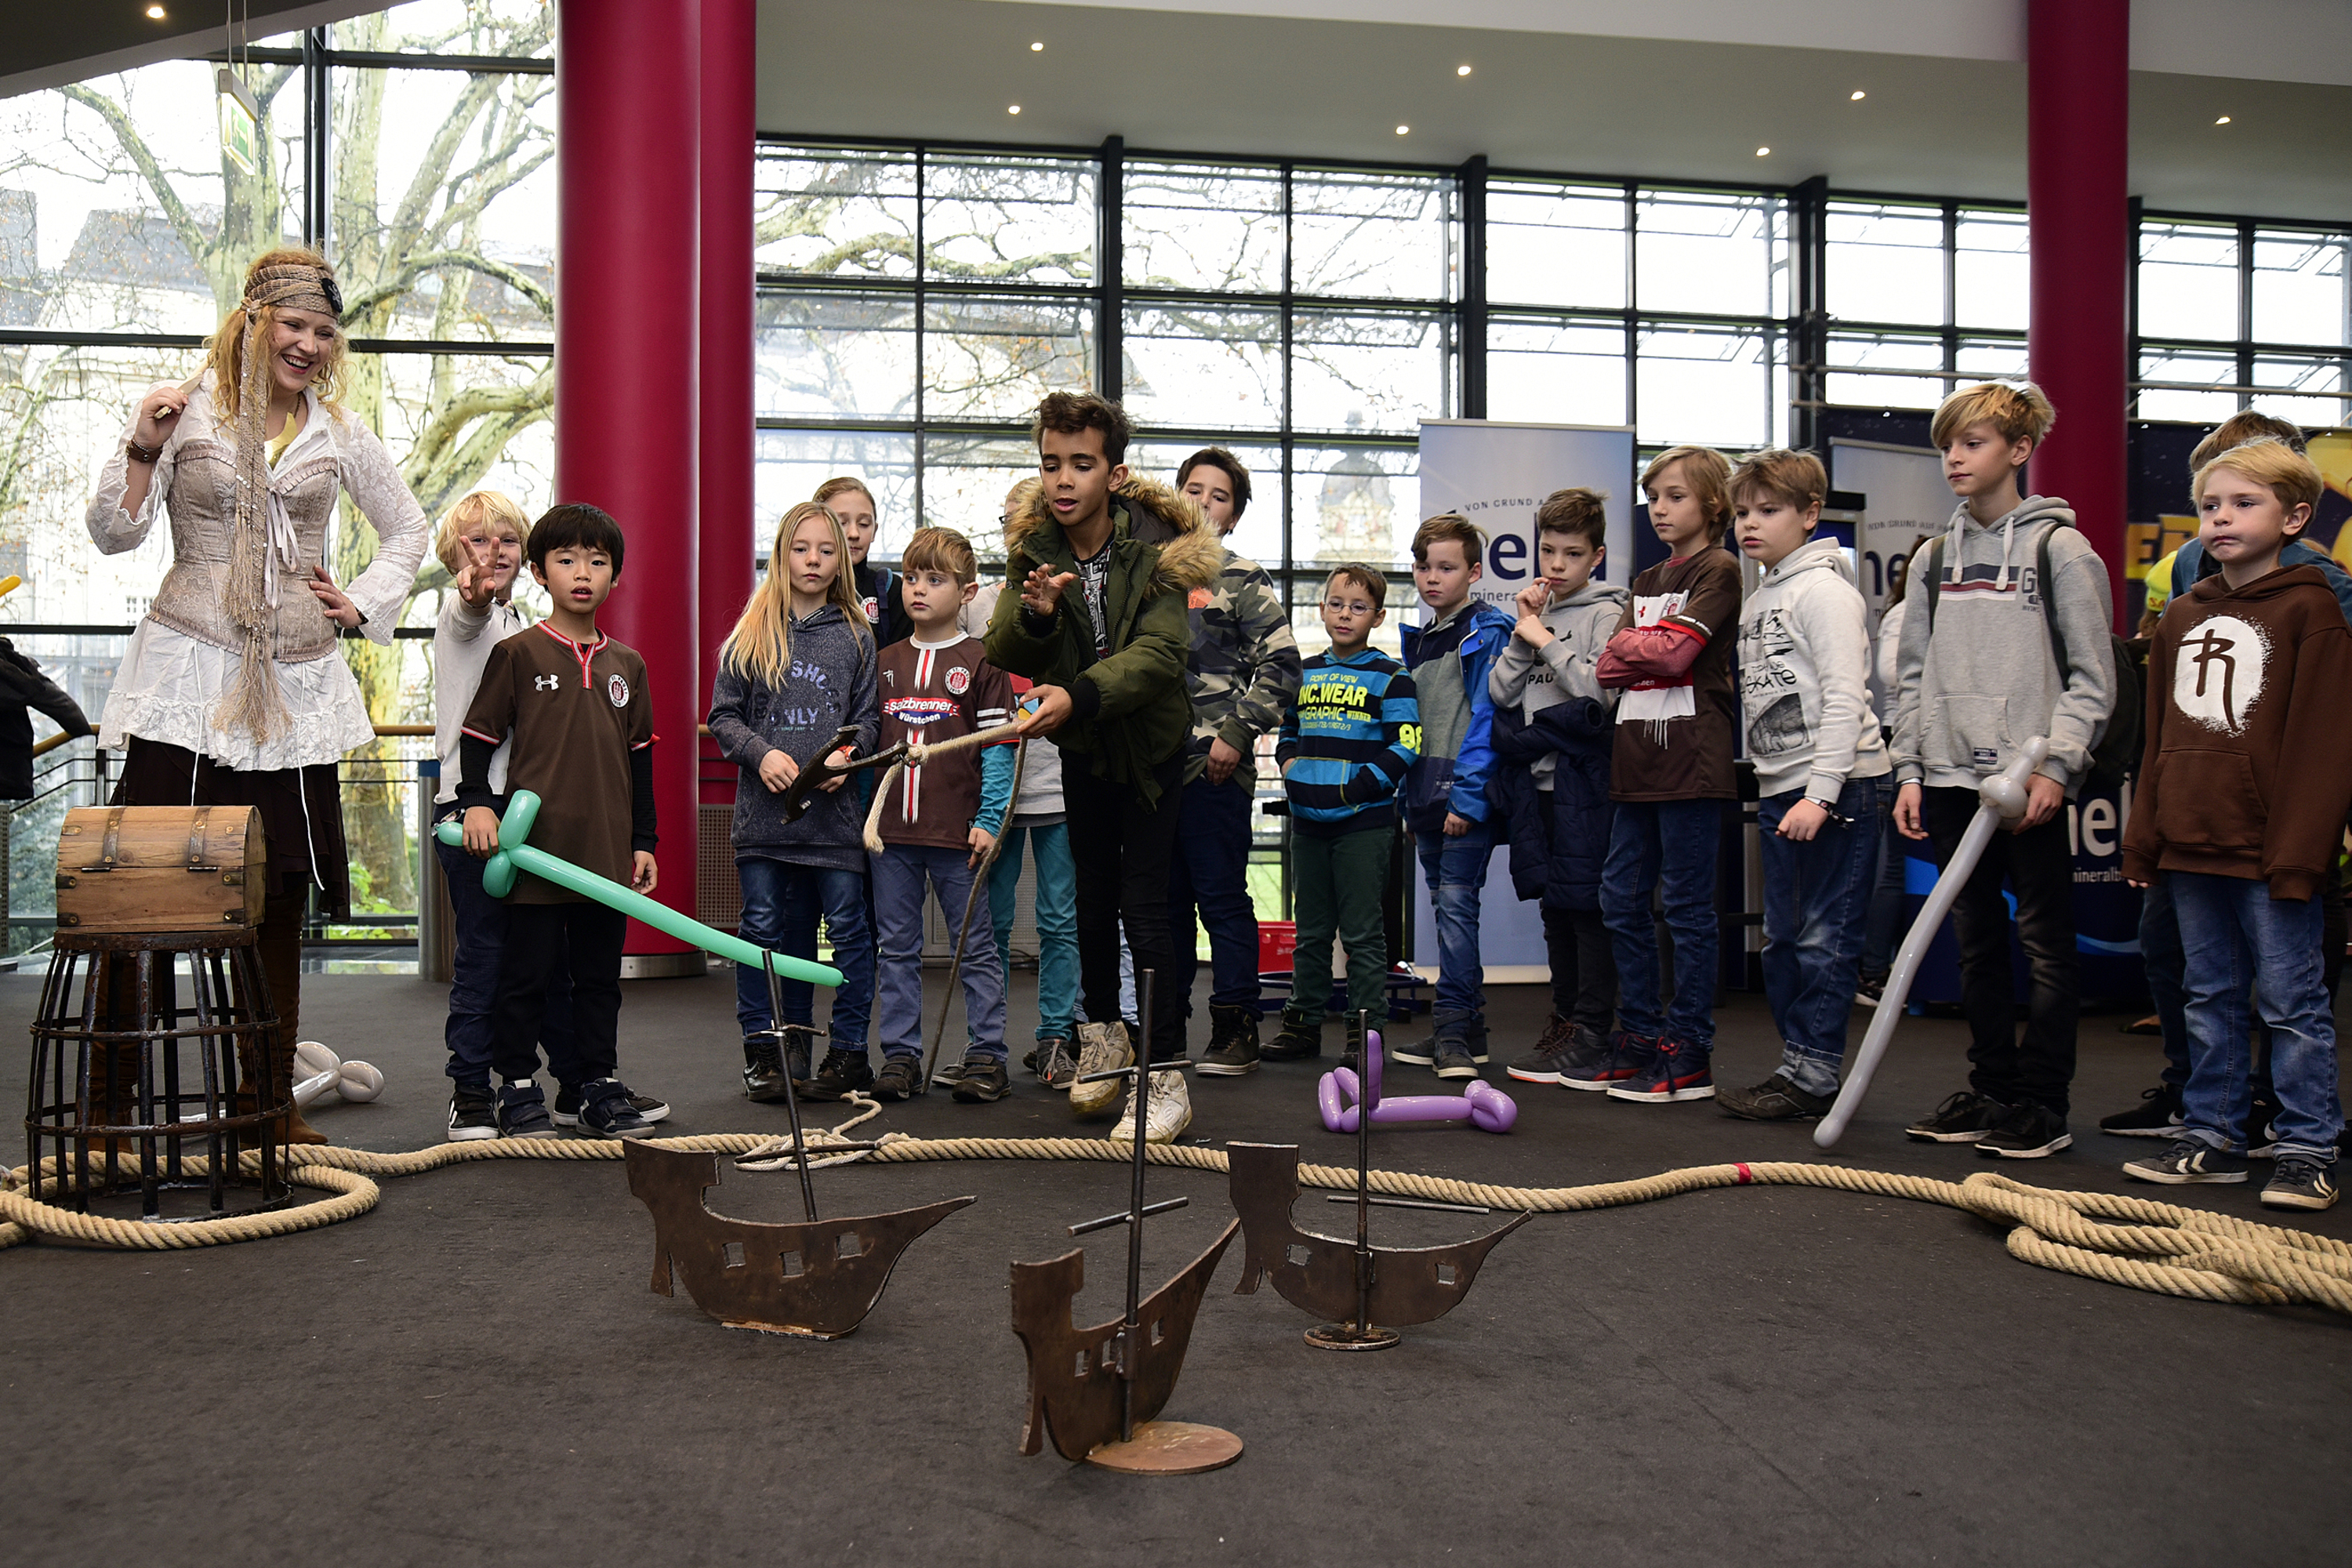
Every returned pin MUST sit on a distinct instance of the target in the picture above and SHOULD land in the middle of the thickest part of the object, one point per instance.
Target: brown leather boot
(254, 1069)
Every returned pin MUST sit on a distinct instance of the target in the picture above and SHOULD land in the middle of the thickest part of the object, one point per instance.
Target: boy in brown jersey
(574, 704)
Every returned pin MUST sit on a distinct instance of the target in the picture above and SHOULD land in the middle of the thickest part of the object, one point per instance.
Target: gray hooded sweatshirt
(1978, 677)
(1804, 676)
(1537, 678)
(831, 683)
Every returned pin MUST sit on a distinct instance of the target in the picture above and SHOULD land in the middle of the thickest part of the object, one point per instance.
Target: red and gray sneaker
(1595, 1062)
(1678, 1071)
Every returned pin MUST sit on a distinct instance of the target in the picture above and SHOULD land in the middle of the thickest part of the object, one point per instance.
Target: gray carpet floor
(476, 1371)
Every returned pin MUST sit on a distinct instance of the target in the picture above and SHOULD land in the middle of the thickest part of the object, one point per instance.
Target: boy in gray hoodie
(1978, 678)
(1820, 772)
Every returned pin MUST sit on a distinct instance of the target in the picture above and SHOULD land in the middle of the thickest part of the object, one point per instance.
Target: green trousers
(1336, 886)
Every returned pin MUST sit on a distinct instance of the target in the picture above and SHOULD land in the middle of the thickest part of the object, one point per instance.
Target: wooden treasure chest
(161, 868)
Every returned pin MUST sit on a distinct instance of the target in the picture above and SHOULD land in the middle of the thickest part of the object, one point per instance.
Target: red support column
(2078, 109)
(627, 138)
(730, 29)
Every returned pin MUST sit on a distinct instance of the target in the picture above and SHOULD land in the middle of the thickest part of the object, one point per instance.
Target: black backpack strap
(1935, 580)
(2050, 598)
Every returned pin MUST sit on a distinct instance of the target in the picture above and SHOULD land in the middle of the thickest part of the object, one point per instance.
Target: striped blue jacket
(1347, 739)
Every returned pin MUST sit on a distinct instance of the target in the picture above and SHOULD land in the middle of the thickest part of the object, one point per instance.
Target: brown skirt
(154, 773)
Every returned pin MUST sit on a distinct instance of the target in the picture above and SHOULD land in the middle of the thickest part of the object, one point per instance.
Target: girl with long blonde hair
(796, 688)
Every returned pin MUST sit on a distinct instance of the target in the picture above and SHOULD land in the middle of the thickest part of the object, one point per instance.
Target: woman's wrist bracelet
(139, 454)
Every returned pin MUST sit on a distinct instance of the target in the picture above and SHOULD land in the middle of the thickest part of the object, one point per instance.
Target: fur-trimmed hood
(1190, 553)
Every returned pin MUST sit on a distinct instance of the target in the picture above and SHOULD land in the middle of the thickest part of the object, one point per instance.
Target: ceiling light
(1763, 152)
(1036, 48)
(2224, 120)
(1461, 70)
(1011, 108)
(155, 13)
(1857, 96)
(1404, 130)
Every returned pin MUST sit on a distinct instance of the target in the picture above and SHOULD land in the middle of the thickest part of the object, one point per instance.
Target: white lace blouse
(172, 683)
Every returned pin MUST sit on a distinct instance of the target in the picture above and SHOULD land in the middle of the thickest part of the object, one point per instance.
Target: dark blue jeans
(1669, 847)
(1210, 873)
(1457, 870)
(1816, 912)
(782, 903)
(2239, 942)
(1886, 890)
(481, 949)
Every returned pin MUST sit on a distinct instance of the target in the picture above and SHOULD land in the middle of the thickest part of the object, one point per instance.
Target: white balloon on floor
(318, 1071)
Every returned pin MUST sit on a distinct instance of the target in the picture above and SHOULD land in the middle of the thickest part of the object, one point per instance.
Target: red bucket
(1278, 941)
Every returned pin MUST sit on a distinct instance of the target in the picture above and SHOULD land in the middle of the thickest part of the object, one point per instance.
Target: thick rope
(2121, 1240)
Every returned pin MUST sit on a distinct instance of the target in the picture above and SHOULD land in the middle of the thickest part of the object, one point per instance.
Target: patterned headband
(298, 284)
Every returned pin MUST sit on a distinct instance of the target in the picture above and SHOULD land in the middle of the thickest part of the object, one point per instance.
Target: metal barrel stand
(144, 1078)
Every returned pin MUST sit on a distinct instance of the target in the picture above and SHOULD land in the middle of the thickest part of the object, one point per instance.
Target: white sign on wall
(1496, 475)
(1904, 496)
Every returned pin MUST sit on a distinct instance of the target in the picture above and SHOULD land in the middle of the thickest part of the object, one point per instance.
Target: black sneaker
(2185, 1161)
(2027, 1132)
(1677, 1070)
(901, 1078)
(1297, 1042)
(1056, 1065)
(605, 1111)
(982, 1079)
(1594, 1063)
(2158, 1115)
(1453, 1060)
(1963, 1118)
(764, 1079)
(1233, 1048)
(838, 1075)
(2261, 1132)
(1870, 991)
(567, 1107)
(473, 1113)
(1548, 1054)
(2300, 1181)
(1775, 1100)
(523, 1112)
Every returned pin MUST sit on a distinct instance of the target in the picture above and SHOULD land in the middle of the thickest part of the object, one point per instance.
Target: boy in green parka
(1105, 564)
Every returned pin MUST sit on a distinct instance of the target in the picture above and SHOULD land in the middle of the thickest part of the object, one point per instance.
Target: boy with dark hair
(1350, 736)
(1104, 563)
(1445, 793)
(1241, 674)
(1669, 774)
(940, 819)
(570, 705)
(2243, 791)
(1821, 766)
(1552, 776)
(1978, 676)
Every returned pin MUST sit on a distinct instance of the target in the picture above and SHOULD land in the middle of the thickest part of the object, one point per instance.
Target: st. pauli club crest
(617, 689)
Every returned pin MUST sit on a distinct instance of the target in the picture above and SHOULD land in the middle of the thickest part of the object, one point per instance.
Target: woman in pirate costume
(231, 692)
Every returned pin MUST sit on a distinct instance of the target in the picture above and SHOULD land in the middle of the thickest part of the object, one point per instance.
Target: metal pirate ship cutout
(1094, 1392)
(818, 1279)
(1355, 1286)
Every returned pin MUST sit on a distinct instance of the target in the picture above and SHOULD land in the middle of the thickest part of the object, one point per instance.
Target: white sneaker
(1101, 1048)
(1172, 1112)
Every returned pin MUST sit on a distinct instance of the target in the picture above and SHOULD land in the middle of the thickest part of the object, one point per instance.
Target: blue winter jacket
(1450, 662)
(1560, 836)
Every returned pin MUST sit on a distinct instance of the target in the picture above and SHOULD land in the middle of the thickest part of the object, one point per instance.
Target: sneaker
(2185, 1161)
(605, 1111)
(2158, 1115)
(1423, 1053)
(1102, 1047)
(764, 1079)
(2262, 1133)
(1870, 991)
(2300, 1181)
(523, 1112)
(980, 1079)
(1678, 1071)
(1234, 1050)
(1777, 1099)
(901, 1078)
(567, 1107)
(1172, 1112)
(473, 1113)
(1297, 1041)
(1548, 1054)
(1594, 1063)
(840, 1073)
(2027, 1132)
(1054, 1064)
(1963, 1118)
(947, 1075)
(1453, 1060)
